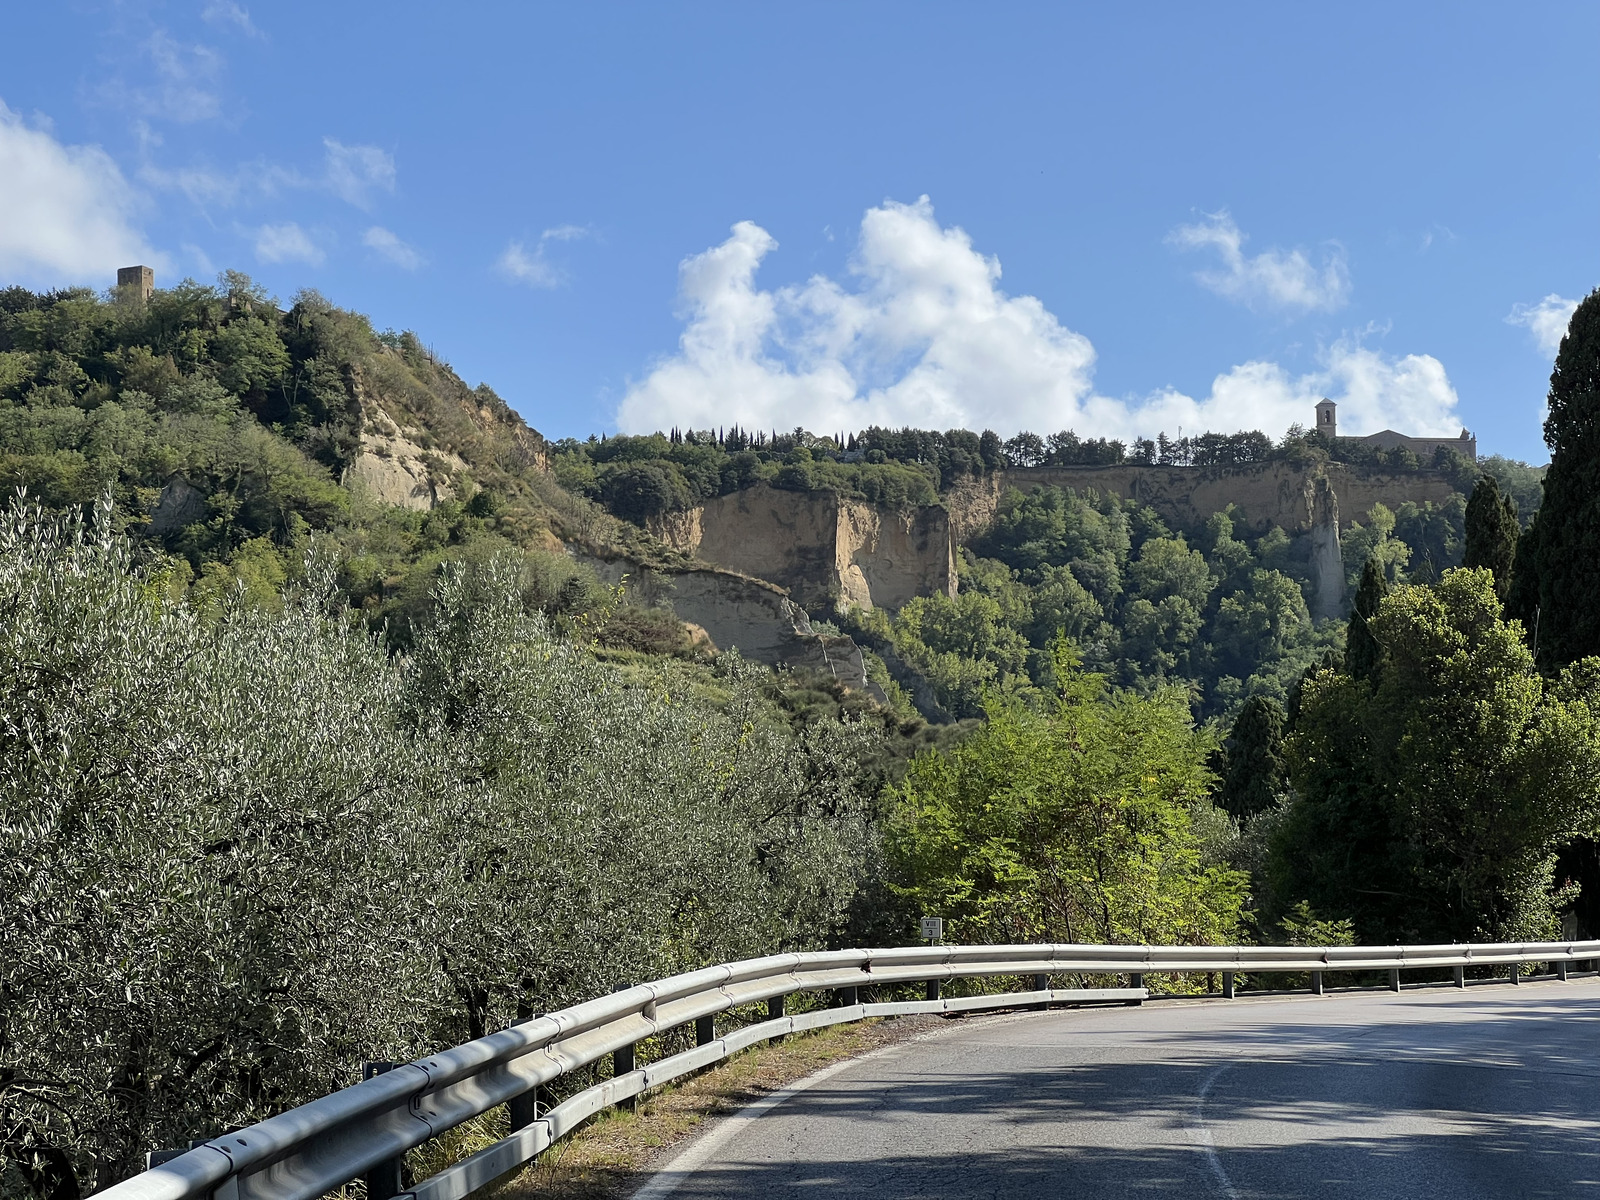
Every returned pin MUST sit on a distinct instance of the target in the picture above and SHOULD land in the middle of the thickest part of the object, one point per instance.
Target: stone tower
(141, 279)
(1328, 419)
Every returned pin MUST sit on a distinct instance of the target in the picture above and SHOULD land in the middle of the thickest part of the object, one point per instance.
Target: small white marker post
(932, 933)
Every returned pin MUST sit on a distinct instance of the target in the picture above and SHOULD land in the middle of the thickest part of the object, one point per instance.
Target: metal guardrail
(363, 1130)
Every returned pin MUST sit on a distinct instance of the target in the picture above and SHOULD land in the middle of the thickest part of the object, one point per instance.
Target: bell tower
(1328, 419)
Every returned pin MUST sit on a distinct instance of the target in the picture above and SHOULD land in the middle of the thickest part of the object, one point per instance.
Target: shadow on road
(1478, 1097)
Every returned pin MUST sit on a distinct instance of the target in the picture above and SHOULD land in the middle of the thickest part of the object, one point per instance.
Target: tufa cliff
(827, 550)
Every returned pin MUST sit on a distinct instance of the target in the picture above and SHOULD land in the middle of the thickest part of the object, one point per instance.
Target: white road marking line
(1202, 1135)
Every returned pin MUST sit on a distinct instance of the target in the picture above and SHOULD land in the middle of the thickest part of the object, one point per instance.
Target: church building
(1387, 439)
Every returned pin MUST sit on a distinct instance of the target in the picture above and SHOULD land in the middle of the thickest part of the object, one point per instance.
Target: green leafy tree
(1077, 823)
(1492, 533)
(1375, 540)
(1433, 793)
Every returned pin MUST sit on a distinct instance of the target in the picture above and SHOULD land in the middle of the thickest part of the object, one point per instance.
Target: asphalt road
(1491, 1092)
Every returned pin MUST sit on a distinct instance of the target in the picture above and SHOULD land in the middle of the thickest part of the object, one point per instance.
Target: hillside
(922, 569)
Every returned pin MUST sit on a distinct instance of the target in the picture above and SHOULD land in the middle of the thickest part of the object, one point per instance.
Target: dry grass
(615, 1152)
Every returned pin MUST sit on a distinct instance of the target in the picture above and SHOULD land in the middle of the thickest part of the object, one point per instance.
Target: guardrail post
(1516, 972)
(774, 1011)
(1394, 979)
(1227, 985)
(1561, 970)
(931, 992)
(1136, 979)
(622, 1064)
(382, 1179)
(1316, 983)
(1461, 977)
(705, 1030)
(844, 997)
(1041, 983)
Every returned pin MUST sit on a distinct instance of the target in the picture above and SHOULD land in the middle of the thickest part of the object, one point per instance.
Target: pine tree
(1254, 774)
(1362, 652)
(1492, 533)
(1567, 552)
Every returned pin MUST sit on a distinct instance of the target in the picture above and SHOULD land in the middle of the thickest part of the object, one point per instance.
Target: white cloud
(1271, 280)
(66, 212)
(520, 265)
(355, 171)
(287, 243)
(392, 248)
(352, 173)
(926, 337)
(186, 76)
(227, 12)
(1546, 320)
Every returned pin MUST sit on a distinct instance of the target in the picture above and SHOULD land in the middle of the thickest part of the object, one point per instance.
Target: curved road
(1490, 1092)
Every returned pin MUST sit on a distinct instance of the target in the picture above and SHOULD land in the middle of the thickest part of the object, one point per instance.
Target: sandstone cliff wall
(825, 549)
(1275, 494)
(737, 612)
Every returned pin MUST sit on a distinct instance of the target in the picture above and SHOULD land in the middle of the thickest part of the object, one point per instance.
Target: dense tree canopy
(1084, 821)
(1433, 791)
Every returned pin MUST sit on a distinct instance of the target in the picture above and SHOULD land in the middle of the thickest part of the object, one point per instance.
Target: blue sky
(646, 215)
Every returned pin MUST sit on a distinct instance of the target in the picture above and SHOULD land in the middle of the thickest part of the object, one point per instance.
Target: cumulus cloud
(1546, 320)
(1271, 280)
(390, 247)
(532, 267)
(287, 243)
(354, 172)
(924, 335)
(66, 212)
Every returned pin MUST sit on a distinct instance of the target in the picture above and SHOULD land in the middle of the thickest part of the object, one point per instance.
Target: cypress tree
(1492, 533)
(1567, 553)
(1254, 773)
(1361, 649)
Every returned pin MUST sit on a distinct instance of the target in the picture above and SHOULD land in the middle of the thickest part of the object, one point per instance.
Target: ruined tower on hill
(141, 281)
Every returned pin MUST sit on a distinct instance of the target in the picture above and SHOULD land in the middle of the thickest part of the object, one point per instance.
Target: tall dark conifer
(1567, 554)
(1254, 773)
(1492, 532)
(1361, 651)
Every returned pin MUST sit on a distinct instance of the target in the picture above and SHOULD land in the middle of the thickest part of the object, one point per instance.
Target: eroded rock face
(393, 469)
(824, 549)
(1327, 562)
(1272, 494)
(750, 615)
(180, 504)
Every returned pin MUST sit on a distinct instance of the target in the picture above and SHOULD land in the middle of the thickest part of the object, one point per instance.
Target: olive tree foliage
(243, 850)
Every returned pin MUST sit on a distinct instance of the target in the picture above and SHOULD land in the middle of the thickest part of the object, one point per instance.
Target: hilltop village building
(1387, 439)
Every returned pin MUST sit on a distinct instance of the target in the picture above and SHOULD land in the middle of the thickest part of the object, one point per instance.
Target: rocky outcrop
(1265, 495)
(180, 504)
(737, 612)
(825, 549)
(393, 469)
(1327, 563)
